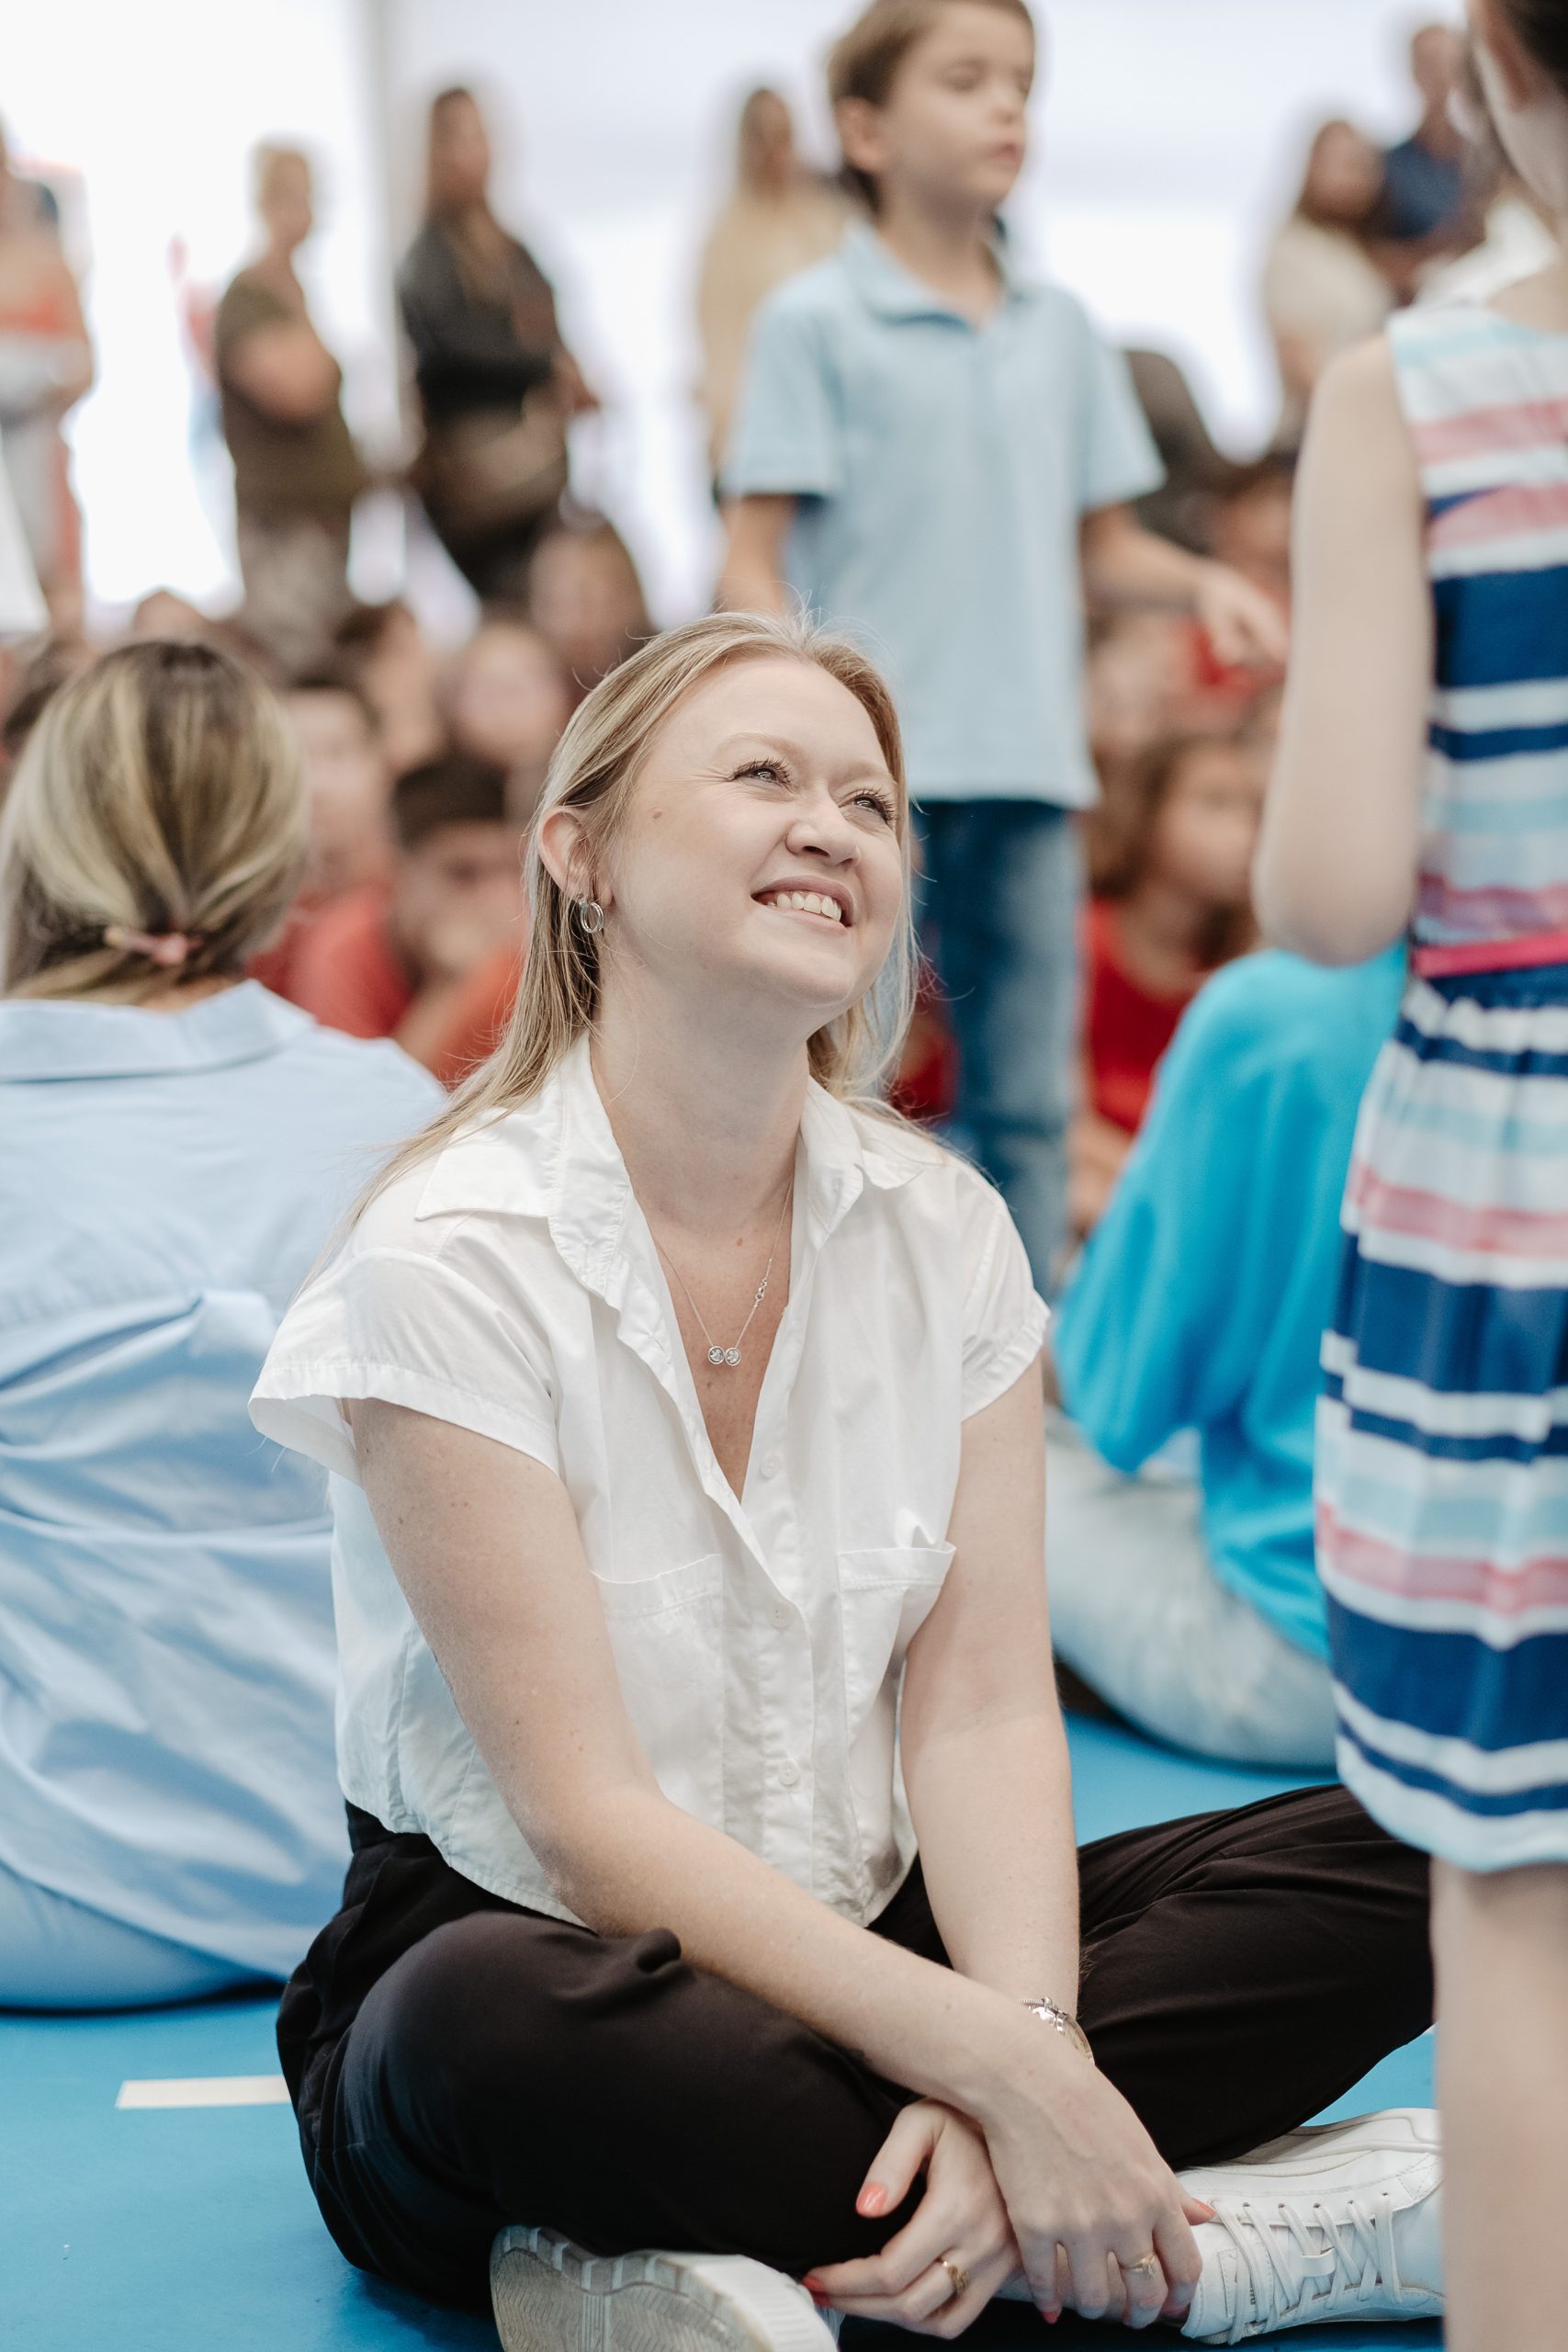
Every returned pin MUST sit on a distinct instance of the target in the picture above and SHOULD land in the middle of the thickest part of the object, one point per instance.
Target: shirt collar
(895, 292)
(42, 1039)
(556, 1156)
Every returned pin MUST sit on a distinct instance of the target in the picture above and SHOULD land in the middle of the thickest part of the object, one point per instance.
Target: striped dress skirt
(1442, 1477)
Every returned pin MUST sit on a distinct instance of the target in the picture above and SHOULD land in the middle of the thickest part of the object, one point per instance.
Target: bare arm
(753, 578)
(1124, 564)
(285, 370)
(1336, 862)
(983, 1751)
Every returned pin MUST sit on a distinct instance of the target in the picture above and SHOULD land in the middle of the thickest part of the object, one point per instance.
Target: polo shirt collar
(556, 1156)
(43, 1039)
(895, 292)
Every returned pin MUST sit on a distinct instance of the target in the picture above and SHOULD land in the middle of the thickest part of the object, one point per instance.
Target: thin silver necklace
(731, 1355)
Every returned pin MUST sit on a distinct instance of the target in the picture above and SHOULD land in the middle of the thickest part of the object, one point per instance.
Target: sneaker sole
(549, 2296)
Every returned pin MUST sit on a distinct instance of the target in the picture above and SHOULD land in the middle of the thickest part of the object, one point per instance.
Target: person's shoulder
(921, 1174)
(371, 1072)
(479, 1197)
(822, 295)
(1275, 1011)
(247, 300)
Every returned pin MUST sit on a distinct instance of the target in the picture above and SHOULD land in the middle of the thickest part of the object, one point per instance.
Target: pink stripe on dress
(1512, 511)
(1482, 432)
(1491, 1231)
(1495, 912)
(1541, 1583)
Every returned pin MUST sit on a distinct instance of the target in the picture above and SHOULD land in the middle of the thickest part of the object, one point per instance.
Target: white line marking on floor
(206, 2090)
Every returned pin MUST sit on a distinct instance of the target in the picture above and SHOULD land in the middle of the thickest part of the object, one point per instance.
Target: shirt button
(780, 1613)
(789, 1775)
(771, 1465)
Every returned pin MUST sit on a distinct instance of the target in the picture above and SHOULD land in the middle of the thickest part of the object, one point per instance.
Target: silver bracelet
(1062, 2022)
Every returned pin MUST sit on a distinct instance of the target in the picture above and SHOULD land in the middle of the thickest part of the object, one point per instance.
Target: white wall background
(1169, 136)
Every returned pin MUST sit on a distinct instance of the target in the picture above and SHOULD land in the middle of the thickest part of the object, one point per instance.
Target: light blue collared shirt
(167, 1655)
(944, 471)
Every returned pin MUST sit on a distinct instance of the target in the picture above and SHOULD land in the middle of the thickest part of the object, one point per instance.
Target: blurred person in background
(1195, 472)
(386, 653)
(1323, 287)
(779, 218)
(496, 384)
(1193, 1604)
(1169, 858)
(297, 472)
(1250, 532)
(1426, 209)
(30, 677)
(46, 367)
(937, 452)
(348, 783)
(507, 700)
(385, 960)
(509, 706)
(585, 599)
(162, 612)
(174, 1147)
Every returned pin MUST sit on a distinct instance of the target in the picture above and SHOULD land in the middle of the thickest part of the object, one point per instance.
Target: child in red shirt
(1170, 857)
(388, 960)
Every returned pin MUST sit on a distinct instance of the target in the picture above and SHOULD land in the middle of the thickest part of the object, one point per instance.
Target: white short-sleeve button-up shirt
(510, 1284)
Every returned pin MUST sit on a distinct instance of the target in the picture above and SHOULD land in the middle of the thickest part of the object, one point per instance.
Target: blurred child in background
(384, 650)
(347, 782)
(507, 702)
(383, 961)
(936, 451)
(1170, 856)
(586, 600)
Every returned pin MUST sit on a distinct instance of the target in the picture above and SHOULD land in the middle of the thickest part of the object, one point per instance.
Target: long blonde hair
(595, 772)
(161, 791)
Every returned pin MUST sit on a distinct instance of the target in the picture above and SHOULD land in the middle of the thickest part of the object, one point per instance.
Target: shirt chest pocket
(884, 1596)
(667, 1634)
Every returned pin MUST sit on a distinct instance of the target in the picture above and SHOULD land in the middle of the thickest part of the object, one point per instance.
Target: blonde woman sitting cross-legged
(683, 1408)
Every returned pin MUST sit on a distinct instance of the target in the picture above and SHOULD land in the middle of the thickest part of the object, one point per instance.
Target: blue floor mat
(175, 2230)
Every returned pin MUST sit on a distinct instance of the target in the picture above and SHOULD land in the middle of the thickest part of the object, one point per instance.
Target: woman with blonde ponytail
(685, 1412)
(175, 1143)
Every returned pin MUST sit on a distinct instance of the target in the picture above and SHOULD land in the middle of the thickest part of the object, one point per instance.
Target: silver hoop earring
(591, 915)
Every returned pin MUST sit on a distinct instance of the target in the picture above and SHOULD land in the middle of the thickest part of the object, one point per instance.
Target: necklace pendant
(731, 1355)
(715, 1355)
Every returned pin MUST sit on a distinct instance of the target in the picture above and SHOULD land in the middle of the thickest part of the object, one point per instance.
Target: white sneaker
(1339, 2221)
(551, 2297)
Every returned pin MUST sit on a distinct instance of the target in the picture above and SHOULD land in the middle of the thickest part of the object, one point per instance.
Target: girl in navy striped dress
(1423, 787)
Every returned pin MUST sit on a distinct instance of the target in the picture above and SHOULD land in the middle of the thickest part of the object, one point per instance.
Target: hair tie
(168, 948)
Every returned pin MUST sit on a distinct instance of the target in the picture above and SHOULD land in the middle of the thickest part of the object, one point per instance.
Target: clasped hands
(1070, 2206)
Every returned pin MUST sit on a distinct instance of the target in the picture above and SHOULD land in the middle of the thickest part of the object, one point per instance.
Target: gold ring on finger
(956, 2272)
(1145, 2267)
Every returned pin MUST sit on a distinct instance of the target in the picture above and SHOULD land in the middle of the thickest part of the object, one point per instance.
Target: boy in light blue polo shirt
(935, 454)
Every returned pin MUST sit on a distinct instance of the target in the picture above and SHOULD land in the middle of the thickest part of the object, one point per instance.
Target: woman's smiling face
(762, 858)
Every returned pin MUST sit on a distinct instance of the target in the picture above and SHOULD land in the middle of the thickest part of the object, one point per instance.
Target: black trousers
(458, 2063)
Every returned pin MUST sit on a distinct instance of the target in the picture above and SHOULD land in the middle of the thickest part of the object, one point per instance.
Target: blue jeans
(998, 904)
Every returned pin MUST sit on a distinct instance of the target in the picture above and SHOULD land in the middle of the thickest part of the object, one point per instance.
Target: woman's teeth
(805, 902)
